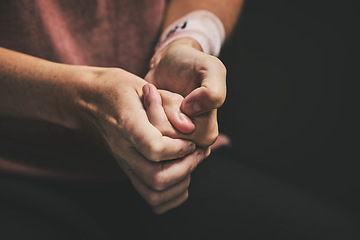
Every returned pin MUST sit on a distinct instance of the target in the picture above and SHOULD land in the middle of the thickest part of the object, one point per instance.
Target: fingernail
(192, 147)
(196, 107)
(146, 89)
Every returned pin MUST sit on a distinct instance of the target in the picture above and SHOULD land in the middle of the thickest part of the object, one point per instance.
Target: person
(74, 96)
(57, 85)
(70, 117)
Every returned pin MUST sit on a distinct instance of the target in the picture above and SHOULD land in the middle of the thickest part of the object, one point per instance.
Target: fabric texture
(91, 32)
(203, 26)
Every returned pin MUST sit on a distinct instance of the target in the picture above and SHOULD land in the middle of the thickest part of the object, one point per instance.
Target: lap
(227, 199)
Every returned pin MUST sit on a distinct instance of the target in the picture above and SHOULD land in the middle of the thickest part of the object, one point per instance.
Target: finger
(161, 176)
(166, 122)
(150, 142)
(171, 204)
(222, 140)
(161, 201)
(212, 92)
(171, 106)
(206, 130)
(153, 105)
(207, 152)
(202, 100)
(157, 198)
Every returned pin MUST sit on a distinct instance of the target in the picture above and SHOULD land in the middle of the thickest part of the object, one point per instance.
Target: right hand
(111, 103)
(163, 110)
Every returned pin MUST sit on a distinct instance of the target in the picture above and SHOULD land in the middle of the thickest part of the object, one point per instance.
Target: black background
(290, 109)
(291, 172)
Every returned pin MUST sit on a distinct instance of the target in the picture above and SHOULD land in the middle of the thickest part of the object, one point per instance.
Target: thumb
(202, 100)
(171, 104)
(212, 92)
(163, 112)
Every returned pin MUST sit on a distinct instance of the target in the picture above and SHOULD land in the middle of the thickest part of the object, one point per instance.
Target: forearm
(227, 11)
(34, 88)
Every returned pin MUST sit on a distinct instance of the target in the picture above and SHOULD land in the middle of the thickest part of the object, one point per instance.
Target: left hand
(182, 68)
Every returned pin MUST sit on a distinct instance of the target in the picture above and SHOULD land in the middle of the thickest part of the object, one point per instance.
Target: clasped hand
(154, 142)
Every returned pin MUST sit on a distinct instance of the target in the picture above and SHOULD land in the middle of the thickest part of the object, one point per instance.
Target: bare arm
(182, 67)
(34, 88)
(227, 10)
(108, 101)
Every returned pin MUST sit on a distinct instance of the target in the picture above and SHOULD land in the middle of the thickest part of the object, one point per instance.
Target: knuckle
(207, 152)
(154, 151)
(186, 195)
(218, 99)
(209, 138)
(182, 152)
(154, 199)
(177, 98)
(160, 182)
(213, 135)
(216, 62)
(218, 95)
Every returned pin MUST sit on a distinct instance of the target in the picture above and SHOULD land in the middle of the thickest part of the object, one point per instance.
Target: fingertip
(201, 100)
(151, 95)
(222, 140)
(146, 91)
(184, 124)
(193, 107)
(180, 121)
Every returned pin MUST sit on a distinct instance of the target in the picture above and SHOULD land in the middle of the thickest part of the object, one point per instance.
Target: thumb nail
(196, 107)
(146, 89)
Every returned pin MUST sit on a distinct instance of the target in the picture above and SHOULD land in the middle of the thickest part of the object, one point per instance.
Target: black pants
(227, 201)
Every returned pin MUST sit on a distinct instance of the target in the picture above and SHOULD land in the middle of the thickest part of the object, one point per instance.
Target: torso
(115, 33)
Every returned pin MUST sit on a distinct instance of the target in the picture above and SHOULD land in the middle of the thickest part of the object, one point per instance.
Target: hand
(160, 109)
(111, 103)
(163, 110)
(180, 67)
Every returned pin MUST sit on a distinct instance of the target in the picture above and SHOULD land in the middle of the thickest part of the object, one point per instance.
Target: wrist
(188, 41)
(185, 41)
(62, 89)
(203, 26)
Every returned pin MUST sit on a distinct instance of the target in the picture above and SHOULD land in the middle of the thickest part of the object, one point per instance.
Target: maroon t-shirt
(106, 33)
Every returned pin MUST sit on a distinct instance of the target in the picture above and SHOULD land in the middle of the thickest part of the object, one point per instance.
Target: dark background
(290, 108)
(291, 172)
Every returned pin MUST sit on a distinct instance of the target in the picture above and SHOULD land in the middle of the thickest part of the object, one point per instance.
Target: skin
(104, 100)
(204, 89)
(198, 79)
(157, 158)
(107, 101)
(160, 105)
(182, 68)
(192, 78)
